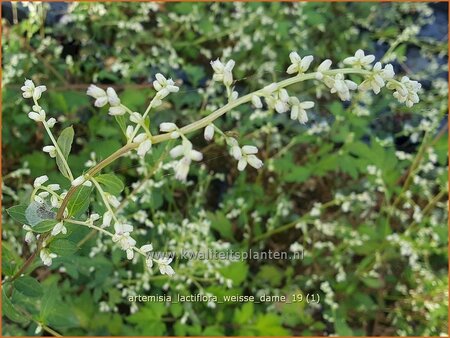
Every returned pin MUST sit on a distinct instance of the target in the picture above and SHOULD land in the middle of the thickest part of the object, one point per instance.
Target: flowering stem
(103, 231)
(247, 98)
(136, 129)
(105, 200)
(199, 124)
(89, 225)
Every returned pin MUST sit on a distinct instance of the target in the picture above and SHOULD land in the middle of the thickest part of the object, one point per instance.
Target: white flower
(189, 155)
(223, 73)
(164, 86)
(99, 94)
(103, 97)
(129, 132)
(40, 181)
(94, 217)
(145, 144)
(59, 228)
(116, 110)
(340, 86)
(360, 60)
(123, 238)
(137, 118)
(279, 101)
(51, 122)
(51, 150)
(47, 256)
(30, 90)
(54, 187)
(54, 201)
(406, 91)
(107, 218)
(299, 64)
(248, 156)
(235, 148)
(209, 132)
(298, 110)
(164, 266)
(78, 181)
(113, 99)
(112, 200)
(29, 236)
(388, 72)
(375, 81)
(167, 127)
(146, 248)
(149, 263)
(269, 89)
(256, 101)
(38, 117)
(323, 67)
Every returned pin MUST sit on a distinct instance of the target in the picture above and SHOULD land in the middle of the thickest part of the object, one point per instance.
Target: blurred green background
(361, 189)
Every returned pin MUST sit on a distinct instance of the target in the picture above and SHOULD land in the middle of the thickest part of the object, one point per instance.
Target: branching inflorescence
(139, 138)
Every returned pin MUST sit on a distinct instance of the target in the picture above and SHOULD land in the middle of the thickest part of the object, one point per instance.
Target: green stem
(105, 200)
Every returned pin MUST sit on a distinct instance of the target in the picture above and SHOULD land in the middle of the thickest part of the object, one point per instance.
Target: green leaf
(341, 326)
(111, 183)
(222, 224)
(17, 213)
(79, 202)
(270, 325)
(373, 283)
(10, 311)
(28, 286)
(236, 271)
(48, 302)
(64, 141)
(63, 247)
(244, 314)
(45, 226)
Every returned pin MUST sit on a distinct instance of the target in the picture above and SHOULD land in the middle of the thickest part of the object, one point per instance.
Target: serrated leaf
(111, 183)
(10, 311)
(64, 141)
(17, 213)
(44, 226)
(79, 202)
(28, 286)
(63, 247)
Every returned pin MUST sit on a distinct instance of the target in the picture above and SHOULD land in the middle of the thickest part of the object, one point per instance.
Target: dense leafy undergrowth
(360, 189)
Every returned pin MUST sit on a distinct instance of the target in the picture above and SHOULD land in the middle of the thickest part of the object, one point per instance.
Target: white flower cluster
(187, 154)
(375, 78)
(31, 91)
(103, 97)
(223, 72)
(163, 87)
(406, 91)
(244, 155)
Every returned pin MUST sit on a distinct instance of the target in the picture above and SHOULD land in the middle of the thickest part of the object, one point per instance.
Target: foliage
(360, 188)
